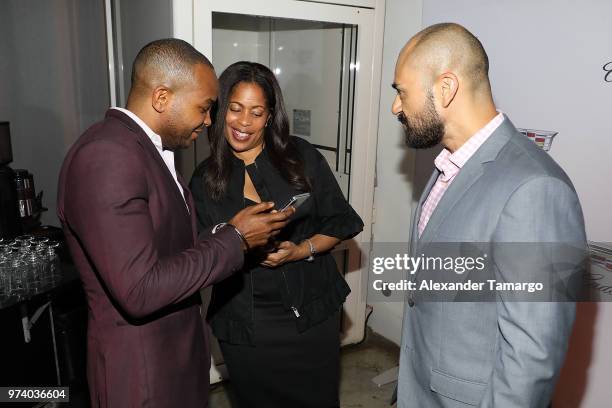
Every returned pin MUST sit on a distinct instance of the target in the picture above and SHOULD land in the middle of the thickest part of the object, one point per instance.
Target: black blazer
(313, 290)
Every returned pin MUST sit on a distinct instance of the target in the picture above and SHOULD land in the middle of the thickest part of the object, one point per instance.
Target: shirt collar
(449, 163)
(155, 138)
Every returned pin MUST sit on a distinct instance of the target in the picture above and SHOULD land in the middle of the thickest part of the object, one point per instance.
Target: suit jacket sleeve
(533, 336)
(106, 208)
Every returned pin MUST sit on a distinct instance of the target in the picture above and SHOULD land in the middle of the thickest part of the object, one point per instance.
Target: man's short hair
(169, 61)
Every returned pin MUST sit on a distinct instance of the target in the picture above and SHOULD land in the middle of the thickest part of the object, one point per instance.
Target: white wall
(396, 191)
(54, 82)
(546, 71)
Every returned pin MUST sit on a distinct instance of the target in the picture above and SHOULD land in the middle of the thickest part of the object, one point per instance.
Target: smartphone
(296, 201)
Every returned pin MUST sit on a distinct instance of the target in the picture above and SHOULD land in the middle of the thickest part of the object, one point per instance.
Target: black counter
(53, 351)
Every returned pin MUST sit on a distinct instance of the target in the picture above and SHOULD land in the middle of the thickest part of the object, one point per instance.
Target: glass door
(314, 63)
(323, 56)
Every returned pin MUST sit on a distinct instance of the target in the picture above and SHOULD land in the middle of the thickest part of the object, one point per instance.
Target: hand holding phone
(296, 201)
(258, 225)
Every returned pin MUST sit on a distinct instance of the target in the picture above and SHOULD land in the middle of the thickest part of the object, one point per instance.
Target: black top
(315, 290)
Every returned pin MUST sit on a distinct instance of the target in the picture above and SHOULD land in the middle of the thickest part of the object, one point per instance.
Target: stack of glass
(28, 265)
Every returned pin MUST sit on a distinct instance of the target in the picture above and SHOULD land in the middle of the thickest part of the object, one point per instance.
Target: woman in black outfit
(278, 322)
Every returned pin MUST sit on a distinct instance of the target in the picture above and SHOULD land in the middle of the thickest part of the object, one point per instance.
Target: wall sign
(542, 138)
(301, 122)
(608, 69)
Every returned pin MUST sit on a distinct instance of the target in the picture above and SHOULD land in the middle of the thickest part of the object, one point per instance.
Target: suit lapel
(469, 174)
(169, 179)
(190, 206)
(144, 140)
(414, 238)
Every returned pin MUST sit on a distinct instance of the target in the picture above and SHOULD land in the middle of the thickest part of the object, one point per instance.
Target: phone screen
(296, 201)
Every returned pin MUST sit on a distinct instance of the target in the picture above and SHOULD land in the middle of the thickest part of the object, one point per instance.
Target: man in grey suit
(491, 185)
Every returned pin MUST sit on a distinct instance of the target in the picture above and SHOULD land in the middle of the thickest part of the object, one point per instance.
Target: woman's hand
(285, 252)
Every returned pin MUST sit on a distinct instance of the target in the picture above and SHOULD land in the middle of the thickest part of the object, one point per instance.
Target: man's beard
(178, 136)
(426, 129)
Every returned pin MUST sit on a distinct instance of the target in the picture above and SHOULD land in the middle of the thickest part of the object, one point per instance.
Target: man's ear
(448, 84)
(160, 98)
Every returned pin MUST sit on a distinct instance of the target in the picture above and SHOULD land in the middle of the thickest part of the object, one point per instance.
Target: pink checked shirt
(449, 166)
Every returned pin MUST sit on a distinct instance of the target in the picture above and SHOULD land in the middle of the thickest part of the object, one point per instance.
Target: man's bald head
(448, 47)
(168, 62)
(443, 90)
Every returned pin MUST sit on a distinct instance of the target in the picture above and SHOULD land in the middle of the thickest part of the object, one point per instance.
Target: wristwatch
(313, 251)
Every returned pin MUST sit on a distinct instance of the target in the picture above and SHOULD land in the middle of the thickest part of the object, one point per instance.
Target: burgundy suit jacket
(142, 265)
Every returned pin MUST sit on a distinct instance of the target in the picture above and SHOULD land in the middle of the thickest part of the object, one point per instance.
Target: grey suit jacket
(497, 354)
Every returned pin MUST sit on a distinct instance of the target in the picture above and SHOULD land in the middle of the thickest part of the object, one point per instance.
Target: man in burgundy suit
(129, 221)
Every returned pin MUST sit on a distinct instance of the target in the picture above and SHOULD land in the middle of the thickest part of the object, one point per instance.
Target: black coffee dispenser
(10, 223)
